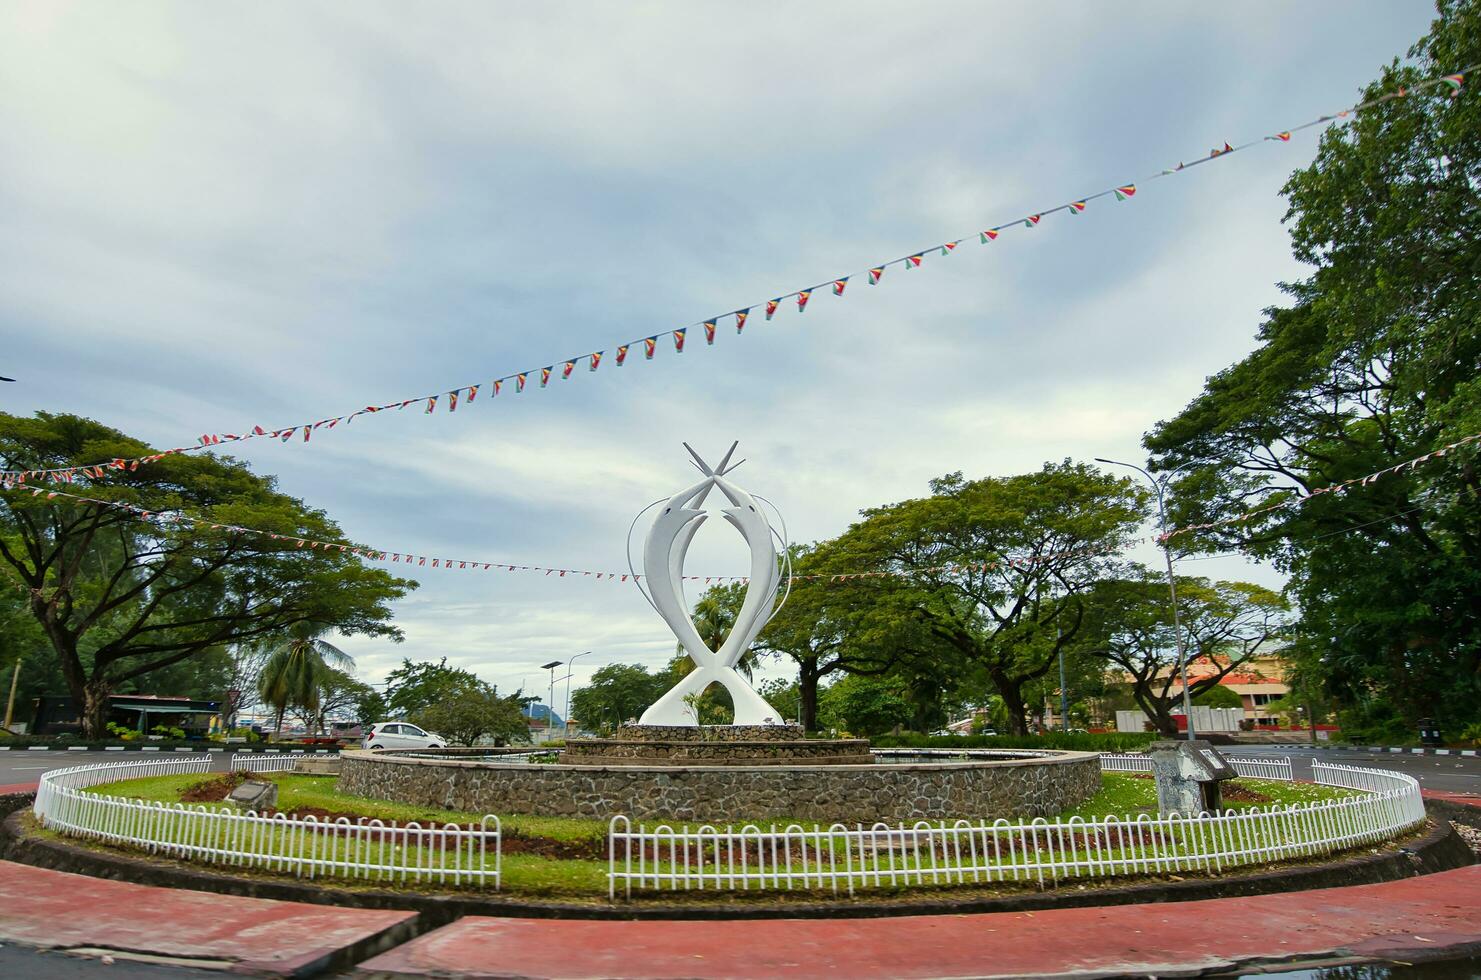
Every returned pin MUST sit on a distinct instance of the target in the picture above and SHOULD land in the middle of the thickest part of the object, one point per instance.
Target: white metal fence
(1252, 768)
(306, 847)
(255, 762)
(839, 858)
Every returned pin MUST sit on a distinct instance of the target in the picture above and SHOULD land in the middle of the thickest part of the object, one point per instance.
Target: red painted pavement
(18, 788)
(55, 909)
(1428, 913)
(1465, 799)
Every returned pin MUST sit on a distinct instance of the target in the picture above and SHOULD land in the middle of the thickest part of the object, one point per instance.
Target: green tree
(416, 686)
(470, 712)
(1218, 696)
(1225, 624)
(817, 627)
(298, 671)
(616, 693)
(1375, 360)
(988, 574)
(339, 694)
(118, 597)
(862, 705)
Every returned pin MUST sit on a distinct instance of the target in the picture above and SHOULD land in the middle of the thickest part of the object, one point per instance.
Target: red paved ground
(1415, 914)
(54, 909)
(18, 788)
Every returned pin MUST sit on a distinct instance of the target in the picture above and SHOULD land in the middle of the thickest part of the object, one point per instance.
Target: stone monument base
(715, 745)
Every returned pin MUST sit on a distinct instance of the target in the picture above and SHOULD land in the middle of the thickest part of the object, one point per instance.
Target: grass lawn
(565, 858)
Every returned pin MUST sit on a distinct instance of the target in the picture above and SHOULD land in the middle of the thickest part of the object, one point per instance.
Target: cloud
(264, 215)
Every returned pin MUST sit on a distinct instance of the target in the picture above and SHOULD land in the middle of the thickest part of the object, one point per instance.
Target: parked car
(401, 735)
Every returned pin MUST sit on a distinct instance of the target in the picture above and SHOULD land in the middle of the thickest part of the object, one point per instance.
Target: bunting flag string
(1345, 485)
(171, 517)
(1450, 85)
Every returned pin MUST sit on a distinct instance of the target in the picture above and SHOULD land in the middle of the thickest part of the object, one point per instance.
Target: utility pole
(550, 705)
(570, 668)
(1064, 698)
(1172, 588)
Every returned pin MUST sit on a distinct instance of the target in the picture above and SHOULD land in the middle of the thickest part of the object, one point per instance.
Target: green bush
(1071, 741)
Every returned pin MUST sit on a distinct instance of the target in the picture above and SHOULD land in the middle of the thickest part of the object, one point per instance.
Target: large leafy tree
(989, 574)
(1375, 360)
(816, 627)
(118, 597)
(1225, 624)
(616, 693)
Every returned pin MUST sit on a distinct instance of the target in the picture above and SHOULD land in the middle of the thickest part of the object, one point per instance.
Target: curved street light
(1172, 589)
(570, 669)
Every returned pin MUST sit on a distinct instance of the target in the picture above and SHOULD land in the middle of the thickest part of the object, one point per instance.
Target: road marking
(27, 768)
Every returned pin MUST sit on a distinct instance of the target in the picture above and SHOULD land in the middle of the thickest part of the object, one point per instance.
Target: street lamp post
(1172, 588)
(550, 705)
(570, 668)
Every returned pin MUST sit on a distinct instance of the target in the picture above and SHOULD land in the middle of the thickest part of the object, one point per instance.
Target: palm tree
(297, 669)
(714, 617)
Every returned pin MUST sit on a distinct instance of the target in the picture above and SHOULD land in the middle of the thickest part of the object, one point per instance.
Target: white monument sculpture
(663, 568)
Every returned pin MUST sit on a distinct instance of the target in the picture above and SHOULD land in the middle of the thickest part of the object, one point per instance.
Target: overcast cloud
(220, 215)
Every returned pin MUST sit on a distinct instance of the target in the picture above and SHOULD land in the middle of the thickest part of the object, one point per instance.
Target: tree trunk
(807, 693)
(1013, 702)
(93, 709)
(1158, 711)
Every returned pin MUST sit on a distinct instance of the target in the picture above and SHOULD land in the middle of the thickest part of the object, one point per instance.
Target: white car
(400, 735)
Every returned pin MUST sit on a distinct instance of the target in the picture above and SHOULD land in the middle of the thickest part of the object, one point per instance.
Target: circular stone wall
(979, 786)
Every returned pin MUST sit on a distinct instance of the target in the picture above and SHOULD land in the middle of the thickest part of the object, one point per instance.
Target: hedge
(1072, 741)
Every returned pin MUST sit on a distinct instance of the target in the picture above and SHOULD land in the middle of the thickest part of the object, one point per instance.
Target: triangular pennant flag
(875, 275)
(1076, 207)
(1453, 82)
(452, 401)
(567, 368)
(740, 319)
(650, 344)
(913, 261)
(287, 434)
(545, 375)
(771, 306)
(1125, 191)
(803, 295)
(622, 354)
(989, 235)
(472, 392)
(838, 285)
(498, 383)
(679, 340)
(1284, 137)
(519, 382)
(709, 331)
(946, 247)
(1031, 220)
(431, 405)
(595, 360)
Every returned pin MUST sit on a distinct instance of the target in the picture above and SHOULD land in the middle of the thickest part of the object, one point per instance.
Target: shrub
(1071, 741)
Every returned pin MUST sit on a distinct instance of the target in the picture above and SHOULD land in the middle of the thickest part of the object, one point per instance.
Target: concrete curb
(1371, 749)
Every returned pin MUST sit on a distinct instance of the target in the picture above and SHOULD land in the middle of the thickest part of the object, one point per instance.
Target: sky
(216, 216)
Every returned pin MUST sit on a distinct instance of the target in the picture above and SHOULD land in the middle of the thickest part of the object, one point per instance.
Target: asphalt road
(27, 767)
(1451, 773)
